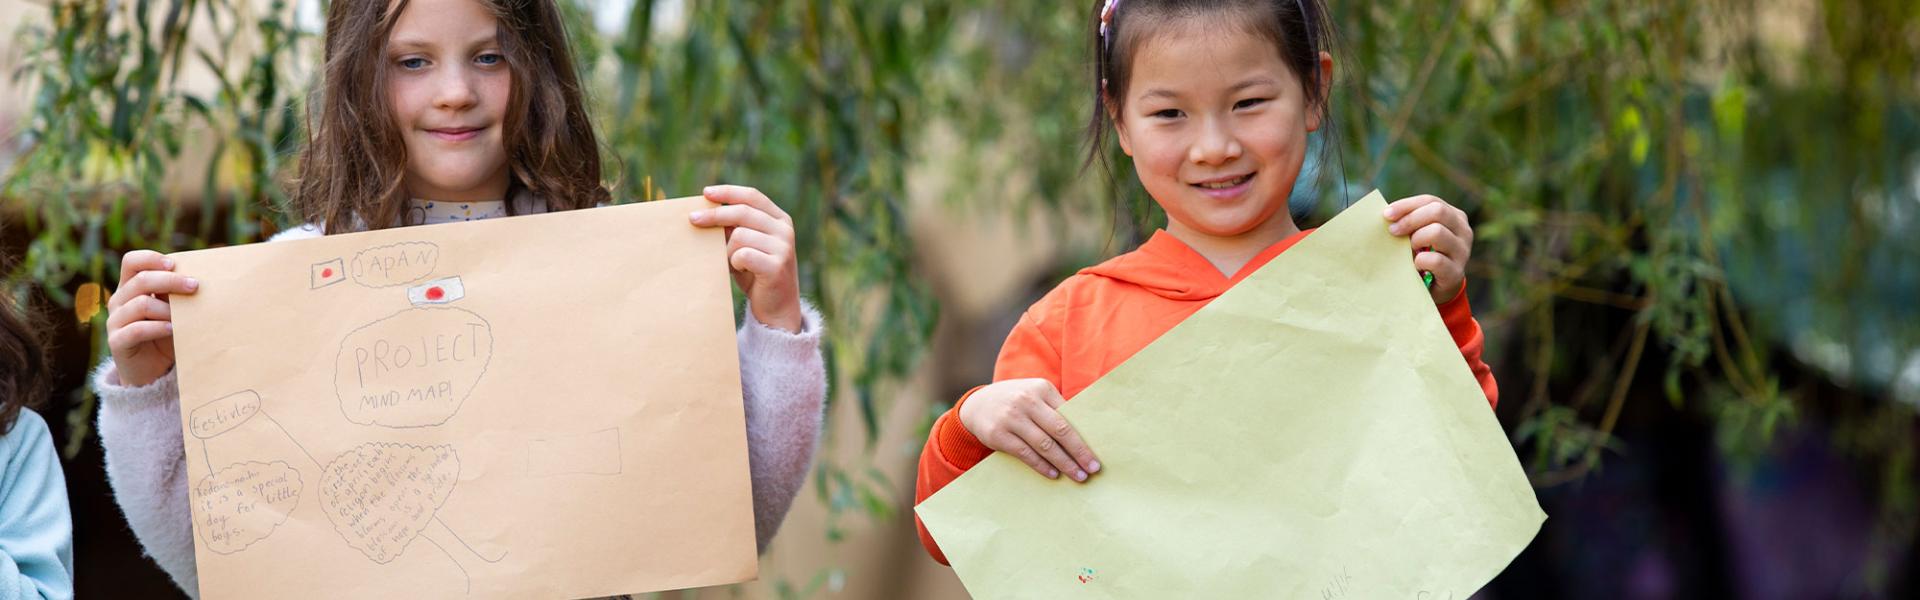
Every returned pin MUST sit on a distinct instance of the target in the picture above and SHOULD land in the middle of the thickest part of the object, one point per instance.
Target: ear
(1120, 131)
(1326, 91)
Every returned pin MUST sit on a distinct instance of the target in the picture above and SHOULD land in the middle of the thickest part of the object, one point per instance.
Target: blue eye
(413, 63)
(490, 59)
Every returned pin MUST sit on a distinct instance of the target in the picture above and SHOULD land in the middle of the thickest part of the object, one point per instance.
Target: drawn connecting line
(465, 577)
(447, 531)
(463, 542)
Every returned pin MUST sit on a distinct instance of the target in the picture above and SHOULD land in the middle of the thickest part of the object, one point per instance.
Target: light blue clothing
(36, 524)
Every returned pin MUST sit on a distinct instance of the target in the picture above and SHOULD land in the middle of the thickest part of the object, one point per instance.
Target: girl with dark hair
(1215, 101)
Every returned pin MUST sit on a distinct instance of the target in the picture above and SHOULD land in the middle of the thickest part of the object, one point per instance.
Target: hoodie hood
(1171, 269)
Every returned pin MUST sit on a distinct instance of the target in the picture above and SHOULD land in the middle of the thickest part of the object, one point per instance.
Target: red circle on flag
(327, 272)
(435, 293)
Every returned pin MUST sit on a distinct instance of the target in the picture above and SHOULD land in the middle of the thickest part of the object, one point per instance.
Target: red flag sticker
(328, 273)
(438, 291)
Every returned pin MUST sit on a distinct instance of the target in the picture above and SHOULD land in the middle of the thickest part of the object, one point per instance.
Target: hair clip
(1106, 18)
(1106, 45)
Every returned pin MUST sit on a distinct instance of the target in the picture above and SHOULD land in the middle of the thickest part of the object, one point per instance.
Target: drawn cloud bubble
(380, 496)
(244, 503)
(412, 369)
(395, 264)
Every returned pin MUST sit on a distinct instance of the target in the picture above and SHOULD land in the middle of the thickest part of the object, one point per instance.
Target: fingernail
(168, 263)
(697, 216)
(1093, 467)
(169, 327)
(708, 189)
(1052, 474)
(1079, 475)
(192, 284)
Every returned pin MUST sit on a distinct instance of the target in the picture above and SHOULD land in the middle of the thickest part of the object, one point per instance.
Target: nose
(456, 90)
(1216, 145)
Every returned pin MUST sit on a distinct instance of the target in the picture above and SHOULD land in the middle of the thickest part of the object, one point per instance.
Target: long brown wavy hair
(354, 162)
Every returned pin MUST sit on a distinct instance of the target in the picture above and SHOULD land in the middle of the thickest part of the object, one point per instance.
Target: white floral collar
(423, 212)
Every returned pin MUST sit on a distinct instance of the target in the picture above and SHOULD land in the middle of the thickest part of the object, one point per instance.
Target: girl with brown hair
(431, 111)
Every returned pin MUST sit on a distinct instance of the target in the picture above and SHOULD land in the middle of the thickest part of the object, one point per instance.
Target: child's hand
(139, 320)
(1442, 241)
(760, 250)
(1021, 417)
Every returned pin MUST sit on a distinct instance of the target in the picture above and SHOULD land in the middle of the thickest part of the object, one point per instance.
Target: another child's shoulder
(28, 430)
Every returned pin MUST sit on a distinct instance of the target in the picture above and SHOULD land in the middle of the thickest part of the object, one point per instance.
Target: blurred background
(1697, 223)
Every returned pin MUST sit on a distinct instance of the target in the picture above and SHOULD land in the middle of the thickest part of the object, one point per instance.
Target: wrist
(957, 444)
(963, 409)
(785, 317)
(133, 378)
(1441, 298)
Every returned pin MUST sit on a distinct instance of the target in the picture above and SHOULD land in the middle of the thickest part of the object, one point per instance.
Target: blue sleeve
(36, 525)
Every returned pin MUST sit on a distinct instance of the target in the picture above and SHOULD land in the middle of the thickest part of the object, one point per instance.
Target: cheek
(496, 91)
(404, 99)
(1158, 161)
(1159, 154)
(1283, 134)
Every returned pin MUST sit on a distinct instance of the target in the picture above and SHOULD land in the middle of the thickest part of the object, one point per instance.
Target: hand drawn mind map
(411, 369)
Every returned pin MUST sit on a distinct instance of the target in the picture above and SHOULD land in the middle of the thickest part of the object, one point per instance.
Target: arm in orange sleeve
(951, 449)
(1466, 334)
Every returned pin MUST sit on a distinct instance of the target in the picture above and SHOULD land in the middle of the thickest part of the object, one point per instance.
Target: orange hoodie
(1099, 317)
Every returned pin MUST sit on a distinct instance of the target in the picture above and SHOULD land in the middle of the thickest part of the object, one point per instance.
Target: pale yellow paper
(1312, 433)
(569, 426)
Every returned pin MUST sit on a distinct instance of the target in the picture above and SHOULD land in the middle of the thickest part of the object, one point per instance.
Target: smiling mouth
(1224, 183)
(455, 134)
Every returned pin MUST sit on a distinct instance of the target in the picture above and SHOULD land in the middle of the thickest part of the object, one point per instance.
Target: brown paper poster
(537, 406)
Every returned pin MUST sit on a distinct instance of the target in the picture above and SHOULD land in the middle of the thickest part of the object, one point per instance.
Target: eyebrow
(400, 43)
(1243, 84)
(1159, 93)
(1251, 82)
